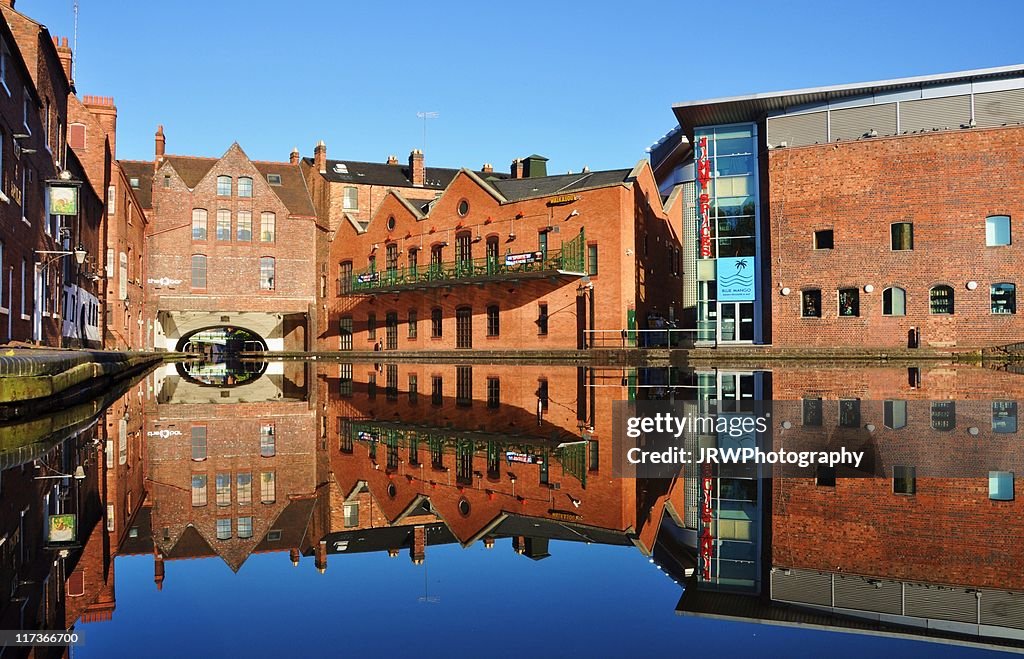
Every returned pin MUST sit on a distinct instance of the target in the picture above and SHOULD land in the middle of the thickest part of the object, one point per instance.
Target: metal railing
(649, 338)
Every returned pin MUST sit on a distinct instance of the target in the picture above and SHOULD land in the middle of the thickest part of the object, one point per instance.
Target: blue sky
(584, 83)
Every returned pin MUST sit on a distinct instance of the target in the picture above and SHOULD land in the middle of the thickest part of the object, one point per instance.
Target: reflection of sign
(707, 539)
(164, 281)
(365, 436)
(704, 198)
(524, 458)
(736, 279)
(63, 199)
(565, 515)
(523, 258)
(368, 277)
(62, 528)
(163, 433)
(561, 200)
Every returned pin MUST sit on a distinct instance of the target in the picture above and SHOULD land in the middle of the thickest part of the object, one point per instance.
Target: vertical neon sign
(704, 197)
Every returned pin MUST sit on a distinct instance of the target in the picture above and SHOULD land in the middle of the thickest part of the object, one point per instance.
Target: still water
(292, 508)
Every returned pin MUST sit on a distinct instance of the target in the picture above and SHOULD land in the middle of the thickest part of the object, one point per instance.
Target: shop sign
(523, 258)
(62, 529)
(524, 458)
(368, 277)
(63, 199)
(366, 436)
(561, 200)
(736, 279)
(707, 539)
(163, 281)
(704, 197)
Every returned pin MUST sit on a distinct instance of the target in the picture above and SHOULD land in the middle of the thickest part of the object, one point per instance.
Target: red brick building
(876, 215)
(527, 262)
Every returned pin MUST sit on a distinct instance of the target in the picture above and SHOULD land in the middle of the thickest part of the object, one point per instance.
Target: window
(223, 489)
(223, 186)
(371, 326)
(436, 257)
(997, 230)
(268, 443)
(391, 259)
(943, 415)
(493, 325)
(274, 179)
(810, 306)
(1004, 416)
(542, 394)
(894, 302)
(894, 413)
(198, 271)
(244, 186)
(351, 514)
(413, 255)
(436, 393)
(1000, 485)
(435, 323)
(542, 243)
(198, 443)
(198, 490)
(463, 208)
(223, 224)
(414, 384)
(1004, 298)
(493, 393)
(76, 140)
(26, 111)
(849, 413)
(345, 380)
(267, 273)
(243, 488)
(371, 386)
(198, 224)
(464, 386)
(940, 300)
(167, 180)
(812, 412)
(542, 319)
(268, 487)
(902, 234)
(244, 226)
(350, 201)
(849, 302)
(267, 228)
(904, 480)
(345, 333)
(824, 239)
(223, 529)
(413, 320)
(344, 277)
(245, 527)
(111, 194)
(592, 260)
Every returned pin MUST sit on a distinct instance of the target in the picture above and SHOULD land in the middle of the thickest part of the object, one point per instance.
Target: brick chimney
(158, 570)
(293, 157)
(419, 545)
(161, 142)
(518, 168)
(103, 108)
(417, 172)
(321, 557)
(392, 160)
(63, 52)
(294, 556)
(488, 168)
(320, 157)
(488, 543)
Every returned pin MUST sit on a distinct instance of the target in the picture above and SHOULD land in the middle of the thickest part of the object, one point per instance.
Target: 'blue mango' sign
(736, 279)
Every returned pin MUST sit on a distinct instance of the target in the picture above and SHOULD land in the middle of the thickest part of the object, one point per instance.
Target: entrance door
(463, 327)
(391, 331)
(37, 304)
(735, 322)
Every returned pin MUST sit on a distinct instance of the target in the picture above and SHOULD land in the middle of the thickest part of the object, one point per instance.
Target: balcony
(568, 261)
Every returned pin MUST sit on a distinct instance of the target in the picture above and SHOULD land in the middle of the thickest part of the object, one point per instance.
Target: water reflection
(321, 463)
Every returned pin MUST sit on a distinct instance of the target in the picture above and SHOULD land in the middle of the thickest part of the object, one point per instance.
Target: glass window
(350, 202)
(244, 186)
(351, 514)
(391, 258)
(198, 271)
(345, 380)
(493, 324)
(849, 302)
(940, 300)
(344, 277)
(244, 226)
(223, 529)
(243, 488)
(223, 186)
(895, 414)
(223, 489)
(542, 243)
(268, 229)
(245, 527)
(267, 273)
(198, 489)
(997, 230)
(943, 415)
(413, 322)
(435, 323)
(223, 224)
(464, 386)
(894, 302)
(810, 306)
(493, 393)
(902, 236)
(592, 260)
(1000, 485)
(198, 224)
(371, 326)
(345, 333)
(268, 441)
(198, 443)
(824, 239)
(1004, 298)
(268, 487)
(904, 480)
(1004, 416)
(849, 413)
(436, 390)
(542, 319)
(812, 412)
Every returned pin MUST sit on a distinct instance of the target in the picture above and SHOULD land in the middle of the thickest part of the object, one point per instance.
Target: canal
(301, 507)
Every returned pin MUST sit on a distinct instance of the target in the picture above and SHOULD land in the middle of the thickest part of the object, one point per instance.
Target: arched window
(940, 300)
(894, 302)
(244, 186)
(223, 186)
(198, 271)
(198, 224)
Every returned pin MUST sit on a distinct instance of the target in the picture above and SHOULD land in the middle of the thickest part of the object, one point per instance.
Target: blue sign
(736, 279)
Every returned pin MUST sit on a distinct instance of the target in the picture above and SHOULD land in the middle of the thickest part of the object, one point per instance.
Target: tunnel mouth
(220, 362)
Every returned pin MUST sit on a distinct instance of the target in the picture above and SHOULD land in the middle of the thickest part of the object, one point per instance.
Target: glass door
(735, 322)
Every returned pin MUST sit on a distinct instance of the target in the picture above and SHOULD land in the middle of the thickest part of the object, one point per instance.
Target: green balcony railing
(569, 258)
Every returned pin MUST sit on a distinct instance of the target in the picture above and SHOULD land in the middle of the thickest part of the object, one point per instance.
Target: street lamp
(79, 475)
(79, 253)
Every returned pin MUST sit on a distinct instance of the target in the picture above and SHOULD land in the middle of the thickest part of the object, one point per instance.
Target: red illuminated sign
(704, 198)
(707, 539)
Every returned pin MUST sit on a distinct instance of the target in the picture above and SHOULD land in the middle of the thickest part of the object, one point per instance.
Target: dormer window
(274, 179)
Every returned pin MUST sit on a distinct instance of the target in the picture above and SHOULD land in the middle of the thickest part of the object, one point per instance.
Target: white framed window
(350, 202)
(223, 186)
(244, 186)
(111, 199)
(997, 231)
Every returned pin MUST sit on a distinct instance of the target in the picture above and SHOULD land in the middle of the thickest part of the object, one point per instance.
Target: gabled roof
(399, 176)
(292, 191)
(191, 169)
(525, 188)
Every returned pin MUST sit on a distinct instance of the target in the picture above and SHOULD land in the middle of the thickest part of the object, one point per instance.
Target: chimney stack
(419, 545)
(158, 570)
(392, 160)
(103, 108)
(294, 556)
(518, 168)
(321, 557)
(64, 53)
(417, 172)
(293, 157)
(320, 157)
(161, 142)
(488, 168)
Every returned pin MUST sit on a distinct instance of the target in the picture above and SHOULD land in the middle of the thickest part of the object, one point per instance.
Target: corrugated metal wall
(930, 113)
(998, 108)
(798, 129)
(853, 123)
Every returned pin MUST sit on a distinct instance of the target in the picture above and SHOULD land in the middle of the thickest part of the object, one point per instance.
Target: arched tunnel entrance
(220, 362)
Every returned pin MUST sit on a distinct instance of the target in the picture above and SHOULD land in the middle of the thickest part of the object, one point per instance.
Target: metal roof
(738, 109)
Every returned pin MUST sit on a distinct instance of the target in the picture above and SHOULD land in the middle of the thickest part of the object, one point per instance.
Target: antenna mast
(424, 116)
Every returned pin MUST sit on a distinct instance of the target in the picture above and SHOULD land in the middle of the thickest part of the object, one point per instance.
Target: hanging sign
(63, 199)
(523, 258)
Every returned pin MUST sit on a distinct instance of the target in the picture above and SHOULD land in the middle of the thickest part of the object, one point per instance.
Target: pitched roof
(523, 188)
(399, 176)
(292, 191)
(143, 171)
(191, 169)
